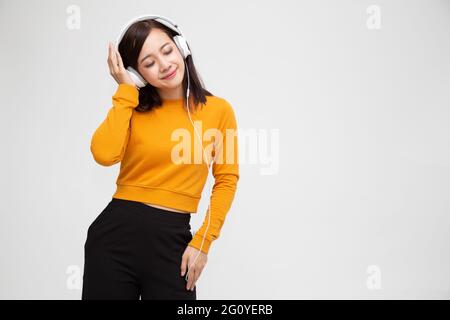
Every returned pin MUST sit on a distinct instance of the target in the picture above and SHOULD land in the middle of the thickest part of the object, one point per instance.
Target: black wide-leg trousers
(133, 251)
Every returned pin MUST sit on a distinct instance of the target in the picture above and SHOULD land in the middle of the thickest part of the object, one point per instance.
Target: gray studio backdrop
(343, 117)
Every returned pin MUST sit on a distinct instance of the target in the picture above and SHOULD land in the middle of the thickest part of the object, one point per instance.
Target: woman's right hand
(116, 68)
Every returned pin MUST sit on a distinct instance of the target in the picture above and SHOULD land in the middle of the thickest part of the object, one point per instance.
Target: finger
(190, 273)
(111, 69)
(119, 59)
(183, 265)
(111, 61)
(198, 272)
(188, 276)
(194, 280)
(109, 57)
(114, 61)
(190, 284)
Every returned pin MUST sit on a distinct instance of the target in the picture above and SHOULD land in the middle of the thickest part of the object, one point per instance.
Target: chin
(175, 83)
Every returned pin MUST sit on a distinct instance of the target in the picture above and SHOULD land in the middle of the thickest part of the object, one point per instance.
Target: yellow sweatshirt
(161, 157)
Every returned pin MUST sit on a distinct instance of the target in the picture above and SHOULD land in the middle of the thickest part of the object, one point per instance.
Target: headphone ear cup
(136, 77)
(182, 46)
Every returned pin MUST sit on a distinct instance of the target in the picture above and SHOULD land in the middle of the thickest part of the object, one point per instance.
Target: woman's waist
(166, 208)
(150, 213)
(159, 197)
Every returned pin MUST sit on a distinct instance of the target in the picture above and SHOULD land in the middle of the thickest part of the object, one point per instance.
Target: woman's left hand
(188, 258)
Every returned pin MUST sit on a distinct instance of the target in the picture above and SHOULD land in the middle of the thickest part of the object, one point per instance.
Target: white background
(362, 174)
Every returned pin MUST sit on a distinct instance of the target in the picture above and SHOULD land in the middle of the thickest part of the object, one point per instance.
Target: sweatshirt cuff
(127, 92)
(196, 242)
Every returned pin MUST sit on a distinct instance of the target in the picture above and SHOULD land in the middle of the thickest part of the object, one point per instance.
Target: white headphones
(140, 82)
(179, 40)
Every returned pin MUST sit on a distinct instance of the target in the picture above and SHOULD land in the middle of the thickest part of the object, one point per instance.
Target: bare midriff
(165, 208)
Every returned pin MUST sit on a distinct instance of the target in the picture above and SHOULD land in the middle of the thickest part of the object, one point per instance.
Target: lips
(171, 75)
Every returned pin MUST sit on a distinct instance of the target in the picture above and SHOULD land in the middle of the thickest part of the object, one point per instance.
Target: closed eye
(151, 64)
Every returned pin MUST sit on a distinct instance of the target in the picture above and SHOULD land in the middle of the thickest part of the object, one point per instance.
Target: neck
(171, 94)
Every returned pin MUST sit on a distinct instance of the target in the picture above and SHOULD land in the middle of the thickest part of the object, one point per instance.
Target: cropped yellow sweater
(162, 160)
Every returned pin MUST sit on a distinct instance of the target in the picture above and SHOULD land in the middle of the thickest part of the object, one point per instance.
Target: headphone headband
(161, 19)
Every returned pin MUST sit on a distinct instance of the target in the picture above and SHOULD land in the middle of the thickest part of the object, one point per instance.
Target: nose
(164, 66)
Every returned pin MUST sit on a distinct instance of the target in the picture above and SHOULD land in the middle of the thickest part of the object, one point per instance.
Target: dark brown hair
(129, 48)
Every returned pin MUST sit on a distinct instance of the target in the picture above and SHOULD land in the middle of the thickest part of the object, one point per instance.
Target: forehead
(155, 39)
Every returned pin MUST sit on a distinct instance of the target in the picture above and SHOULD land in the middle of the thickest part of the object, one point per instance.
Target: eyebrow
(151, 54)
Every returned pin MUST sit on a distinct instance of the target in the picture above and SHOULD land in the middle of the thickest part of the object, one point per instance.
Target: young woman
(141, 246)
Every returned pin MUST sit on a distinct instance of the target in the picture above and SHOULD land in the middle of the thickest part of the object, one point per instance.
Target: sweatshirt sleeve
(110, 140)
(225, 170)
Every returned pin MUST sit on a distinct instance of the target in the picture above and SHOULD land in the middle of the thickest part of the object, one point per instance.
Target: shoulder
(224, 112)
(221, 104)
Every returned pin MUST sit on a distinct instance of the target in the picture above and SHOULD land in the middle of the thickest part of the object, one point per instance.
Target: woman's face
(158, 58)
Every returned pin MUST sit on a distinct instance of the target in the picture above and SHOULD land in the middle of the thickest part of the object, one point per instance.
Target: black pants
(134, 251)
